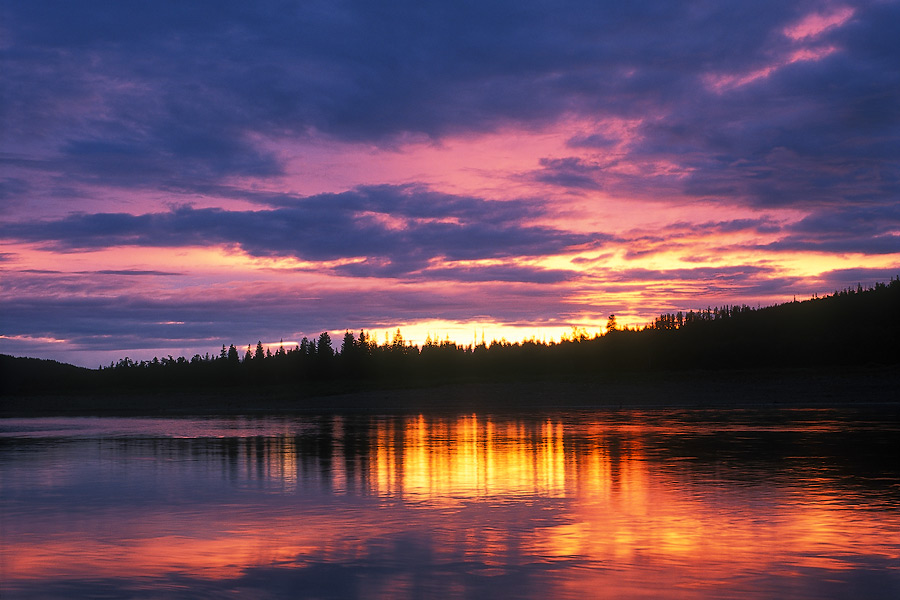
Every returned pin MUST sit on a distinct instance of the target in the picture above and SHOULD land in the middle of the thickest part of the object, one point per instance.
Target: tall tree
(348, 345)
(324, 345)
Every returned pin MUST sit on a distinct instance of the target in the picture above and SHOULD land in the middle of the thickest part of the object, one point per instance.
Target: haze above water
(626, 504)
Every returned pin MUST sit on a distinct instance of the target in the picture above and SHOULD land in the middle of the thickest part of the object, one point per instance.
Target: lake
(789, 503)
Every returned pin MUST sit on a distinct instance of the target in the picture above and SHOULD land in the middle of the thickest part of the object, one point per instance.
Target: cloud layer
(393, 231)
(580, 152)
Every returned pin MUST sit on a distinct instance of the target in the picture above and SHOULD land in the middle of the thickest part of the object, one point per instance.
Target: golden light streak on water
(591, 497)
(448, 462)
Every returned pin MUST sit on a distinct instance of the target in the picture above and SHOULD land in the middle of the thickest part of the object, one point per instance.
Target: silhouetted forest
(853, 327)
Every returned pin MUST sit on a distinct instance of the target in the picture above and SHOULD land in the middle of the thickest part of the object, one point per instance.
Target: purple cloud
(116, 93)
(865, 229)
(327, 227)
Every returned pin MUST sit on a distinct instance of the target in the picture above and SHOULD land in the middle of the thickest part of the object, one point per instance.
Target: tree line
(855, 326)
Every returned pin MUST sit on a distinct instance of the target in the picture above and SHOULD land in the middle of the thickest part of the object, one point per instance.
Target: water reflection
(623, 504)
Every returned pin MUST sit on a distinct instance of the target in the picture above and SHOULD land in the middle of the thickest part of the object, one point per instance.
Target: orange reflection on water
(213, 546)
(594, 500)
(445, 461)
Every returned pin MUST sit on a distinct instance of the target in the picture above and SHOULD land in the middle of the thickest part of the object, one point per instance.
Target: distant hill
(35, 375)
(852, 327)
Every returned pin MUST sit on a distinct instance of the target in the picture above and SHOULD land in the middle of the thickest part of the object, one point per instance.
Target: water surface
(623, 504)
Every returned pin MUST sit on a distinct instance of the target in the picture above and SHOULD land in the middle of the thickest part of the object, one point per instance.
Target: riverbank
(690, 389)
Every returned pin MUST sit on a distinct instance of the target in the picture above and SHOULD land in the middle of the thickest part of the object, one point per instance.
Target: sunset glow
(178, 179)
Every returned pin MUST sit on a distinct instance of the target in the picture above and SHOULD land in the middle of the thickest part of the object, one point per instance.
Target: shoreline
(796, 388)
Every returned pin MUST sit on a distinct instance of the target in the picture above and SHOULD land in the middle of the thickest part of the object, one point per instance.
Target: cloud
(750, 280)
(132, 272)
(124, 95)
(810, 133)
(733, 274)
(813, 24)
(693, 288)
(570, 172)
(11, 189)
(684, 235)
(862, 229)
(840, 279)
(398, 230)
(114, 317)
(501, 273)
(800, 125)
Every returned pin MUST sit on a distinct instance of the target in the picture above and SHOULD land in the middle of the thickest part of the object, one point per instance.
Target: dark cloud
(852, 222)
(502, 273)
(752, 280)
(570, 172)
(762, 225)
(397, 230)
(122, 93)
(840, 279)
(679, 234)
(678, 229)
(862, 229)
(11, 190)
(813, 132)
(132, 272)
(593, 140)
(695, 288)
(719, 275)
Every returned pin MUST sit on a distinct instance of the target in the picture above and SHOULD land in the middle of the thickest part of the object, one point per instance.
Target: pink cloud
(811, 54)
(722, 82)
(816, 23)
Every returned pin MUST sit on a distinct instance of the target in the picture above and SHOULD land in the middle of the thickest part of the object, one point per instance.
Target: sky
(181, 175)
